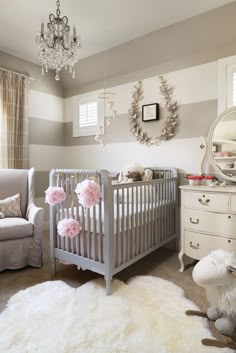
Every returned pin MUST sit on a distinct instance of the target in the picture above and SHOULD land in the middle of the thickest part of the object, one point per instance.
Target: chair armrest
(35, 216)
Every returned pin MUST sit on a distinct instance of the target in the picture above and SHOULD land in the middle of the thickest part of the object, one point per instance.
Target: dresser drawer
(198, 245)
(210, 222)
(206, 201)
(233, 203)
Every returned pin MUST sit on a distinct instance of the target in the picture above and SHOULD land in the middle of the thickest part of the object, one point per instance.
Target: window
(231, 89)
(88, 114)
(226, 83)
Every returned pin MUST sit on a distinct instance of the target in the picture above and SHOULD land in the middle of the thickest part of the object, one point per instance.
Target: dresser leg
(181, 260)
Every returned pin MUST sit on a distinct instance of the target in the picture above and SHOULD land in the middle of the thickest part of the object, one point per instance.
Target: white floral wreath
(170, 122)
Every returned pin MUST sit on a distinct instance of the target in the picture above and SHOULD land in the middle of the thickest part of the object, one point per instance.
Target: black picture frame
(150, 112)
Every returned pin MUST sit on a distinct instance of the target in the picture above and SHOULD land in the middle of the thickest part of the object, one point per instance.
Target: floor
(162, 263)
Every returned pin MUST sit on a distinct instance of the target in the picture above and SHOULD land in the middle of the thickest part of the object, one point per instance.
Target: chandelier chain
(58, 12)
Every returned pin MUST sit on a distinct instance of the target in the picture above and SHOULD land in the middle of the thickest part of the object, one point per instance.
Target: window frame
(226, 67)
(85, 99)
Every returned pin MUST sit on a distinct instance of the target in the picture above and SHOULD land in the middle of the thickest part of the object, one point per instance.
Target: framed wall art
(150, 112)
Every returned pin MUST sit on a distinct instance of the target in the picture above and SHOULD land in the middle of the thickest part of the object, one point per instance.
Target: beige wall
(197, 40)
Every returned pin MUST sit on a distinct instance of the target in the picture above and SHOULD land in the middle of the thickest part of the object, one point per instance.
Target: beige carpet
(163, 263)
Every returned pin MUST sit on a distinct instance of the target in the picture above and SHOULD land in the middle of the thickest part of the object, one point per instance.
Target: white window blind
(88, 114)
(233, 92)
(231, 87)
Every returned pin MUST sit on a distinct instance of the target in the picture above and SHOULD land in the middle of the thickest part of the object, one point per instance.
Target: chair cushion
(10, 206)
(15, 228)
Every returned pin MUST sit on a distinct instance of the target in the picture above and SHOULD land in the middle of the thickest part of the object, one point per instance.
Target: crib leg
(53, 267)
(108, 286)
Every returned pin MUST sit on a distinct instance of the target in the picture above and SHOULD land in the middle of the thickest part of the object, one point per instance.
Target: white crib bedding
(126, 216)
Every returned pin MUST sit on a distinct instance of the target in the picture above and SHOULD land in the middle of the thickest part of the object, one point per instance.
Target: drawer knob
(195, 247)
(229, 216)
(197, 221)
(204, 202)
(229, 241)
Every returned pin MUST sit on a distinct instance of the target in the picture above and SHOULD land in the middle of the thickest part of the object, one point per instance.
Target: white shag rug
(147, 315)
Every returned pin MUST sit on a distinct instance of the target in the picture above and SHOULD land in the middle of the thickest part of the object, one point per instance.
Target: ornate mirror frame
(210, 145)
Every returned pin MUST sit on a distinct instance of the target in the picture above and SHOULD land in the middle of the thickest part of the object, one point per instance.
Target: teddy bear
(134, 172)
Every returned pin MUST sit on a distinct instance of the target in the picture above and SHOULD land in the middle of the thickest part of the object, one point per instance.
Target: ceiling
(102, 24)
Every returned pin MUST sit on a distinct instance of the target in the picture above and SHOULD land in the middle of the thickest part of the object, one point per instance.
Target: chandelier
(57, 47)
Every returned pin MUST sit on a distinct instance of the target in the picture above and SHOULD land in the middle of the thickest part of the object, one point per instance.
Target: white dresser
(208, 220)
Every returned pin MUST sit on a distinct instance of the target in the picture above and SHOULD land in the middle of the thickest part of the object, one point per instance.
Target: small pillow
(2, 215)
(10, 206)
(148, 175)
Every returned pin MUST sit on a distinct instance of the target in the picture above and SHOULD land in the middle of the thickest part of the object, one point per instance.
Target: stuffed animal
(134, 172)
(216, 273)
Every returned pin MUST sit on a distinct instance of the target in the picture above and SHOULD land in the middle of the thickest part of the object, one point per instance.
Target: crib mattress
(126, 216)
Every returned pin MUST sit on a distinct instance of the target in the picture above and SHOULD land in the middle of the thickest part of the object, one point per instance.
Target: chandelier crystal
(57, 47)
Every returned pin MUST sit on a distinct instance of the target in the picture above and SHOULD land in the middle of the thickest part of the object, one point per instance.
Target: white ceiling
(102, 24)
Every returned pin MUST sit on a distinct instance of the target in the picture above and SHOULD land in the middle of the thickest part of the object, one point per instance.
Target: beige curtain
(14, 122)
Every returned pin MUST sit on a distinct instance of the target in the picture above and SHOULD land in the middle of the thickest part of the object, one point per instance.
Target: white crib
(130, 222)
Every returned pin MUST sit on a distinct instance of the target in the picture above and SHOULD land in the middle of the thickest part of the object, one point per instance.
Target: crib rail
(130, 221)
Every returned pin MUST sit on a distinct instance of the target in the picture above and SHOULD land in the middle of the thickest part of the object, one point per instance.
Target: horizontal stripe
(46, 132)
(195, 41)
(44, 157)
(184, 154)
(195, 84)
(45, 106)
(194, 120)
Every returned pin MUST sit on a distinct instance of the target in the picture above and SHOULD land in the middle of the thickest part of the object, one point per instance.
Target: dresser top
(223, 189)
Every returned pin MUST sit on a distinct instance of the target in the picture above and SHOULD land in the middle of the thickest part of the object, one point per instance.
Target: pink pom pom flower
(88, 192)
(69, 227)
(55, 195)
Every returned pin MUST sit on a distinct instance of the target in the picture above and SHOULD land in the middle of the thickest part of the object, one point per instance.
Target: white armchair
(20, 237)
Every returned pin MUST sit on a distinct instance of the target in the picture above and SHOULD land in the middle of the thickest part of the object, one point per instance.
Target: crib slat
(161, 212)
(88, 234)
(82, 234)
(132, 222)
(118, 235)
(145, 219)
(123, 230)
(155, 215)
(149, 217)
(141, 219)
(169, 208)
(152, 215)
(165, 217)
(94, 233)
(127, 226)
(136, 221)
(100, 233)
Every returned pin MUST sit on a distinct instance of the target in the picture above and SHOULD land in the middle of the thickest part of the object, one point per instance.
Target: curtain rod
(17, 73)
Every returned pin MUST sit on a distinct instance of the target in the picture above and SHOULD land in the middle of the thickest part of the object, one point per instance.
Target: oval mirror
(222, 145)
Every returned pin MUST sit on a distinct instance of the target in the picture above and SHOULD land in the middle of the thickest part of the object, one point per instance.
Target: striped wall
(46, 113)
(196, 93)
